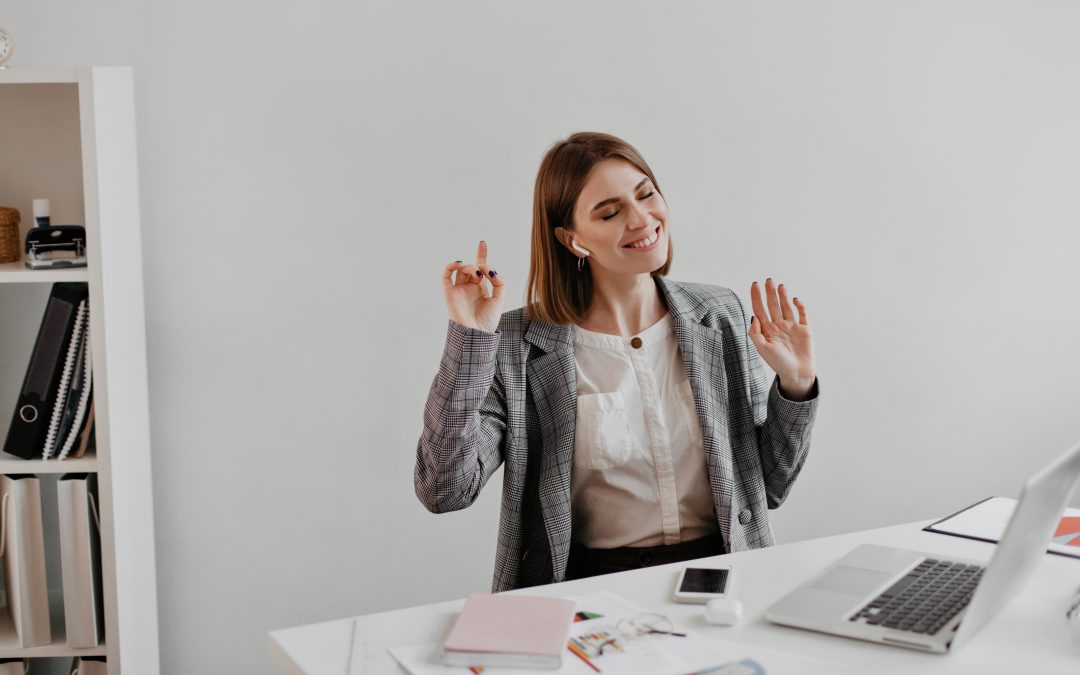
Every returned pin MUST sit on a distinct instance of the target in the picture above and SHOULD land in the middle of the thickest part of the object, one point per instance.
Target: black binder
(30, 423)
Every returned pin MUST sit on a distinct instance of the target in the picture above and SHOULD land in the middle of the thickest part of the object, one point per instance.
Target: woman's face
(618, 210)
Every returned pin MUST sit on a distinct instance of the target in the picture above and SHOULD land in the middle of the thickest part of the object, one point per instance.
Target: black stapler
(56, 246)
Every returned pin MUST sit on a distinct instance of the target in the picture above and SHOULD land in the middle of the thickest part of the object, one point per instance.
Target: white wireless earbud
(581, 250)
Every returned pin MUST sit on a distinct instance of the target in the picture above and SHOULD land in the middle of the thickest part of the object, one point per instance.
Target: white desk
(1029, 636)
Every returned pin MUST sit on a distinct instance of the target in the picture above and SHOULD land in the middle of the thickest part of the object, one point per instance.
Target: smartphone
(702, 584)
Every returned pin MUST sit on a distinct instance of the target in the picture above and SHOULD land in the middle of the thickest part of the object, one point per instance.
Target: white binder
(22, 545)
(80, 559)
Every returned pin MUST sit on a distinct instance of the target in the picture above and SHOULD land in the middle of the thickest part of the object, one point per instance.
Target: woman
(633, 418)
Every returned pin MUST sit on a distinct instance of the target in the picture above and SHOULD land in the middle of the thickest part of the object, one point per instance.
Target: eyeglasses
(608, 637)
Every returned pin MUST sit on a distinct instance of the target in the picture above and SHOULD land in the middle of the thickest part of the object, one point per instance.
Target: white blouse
(639, 475)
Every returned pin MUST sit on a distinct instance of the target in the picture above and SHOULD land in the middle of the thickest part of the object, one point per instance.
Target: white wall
(908, 169)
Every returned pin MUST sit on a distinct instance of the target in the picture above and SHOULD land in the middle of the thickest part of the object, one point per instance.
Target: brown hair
(555, 291)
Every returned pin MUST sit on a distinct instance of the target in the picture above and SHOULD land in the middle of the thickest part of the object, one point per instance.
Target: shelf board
(38, 75)
(11, 464)
(17, 273)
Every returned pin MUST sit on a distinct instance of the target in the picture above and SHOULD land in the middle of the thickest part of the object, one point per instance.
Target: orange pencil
(576, 651)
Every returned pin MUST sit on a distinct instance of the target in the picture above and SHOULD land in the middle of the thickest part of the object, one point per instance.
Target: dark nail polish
(457, 261)
(479, 274)
(493, 274)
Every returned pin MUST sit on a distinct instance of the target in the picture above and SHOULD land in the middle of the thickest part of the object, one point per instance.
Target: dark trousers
(590, 562)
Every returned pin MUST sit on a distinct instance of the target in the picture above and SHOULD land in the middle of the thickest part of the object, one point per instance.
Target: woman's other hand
(467, 296)
(782, 341)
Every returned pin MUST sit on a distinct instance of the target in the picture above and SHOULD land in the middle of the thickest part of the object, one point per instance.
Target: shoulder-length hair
(556, 291)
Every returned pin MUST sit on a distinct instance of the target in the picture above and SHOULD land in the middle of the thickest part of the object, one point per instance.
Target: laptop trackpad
(851, 580)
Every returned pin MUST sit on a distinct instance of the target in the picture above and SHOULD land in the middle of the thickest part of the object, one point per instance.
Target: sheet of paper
(601, 621)
(987, 521)
(736, 659)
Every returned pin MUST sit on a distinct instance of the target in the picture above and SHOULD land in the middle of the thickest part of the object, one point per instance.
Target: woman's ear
(567, 240)
(563, 236)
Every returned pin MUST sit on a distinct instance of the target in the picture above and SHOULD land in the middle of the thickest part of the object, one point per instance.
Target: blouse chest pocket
(689, 411)
(602, 438)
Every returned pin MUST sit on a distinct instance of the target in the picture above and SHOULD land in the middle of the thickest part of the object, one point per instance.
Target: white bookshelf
(69, 135)
(17, 273)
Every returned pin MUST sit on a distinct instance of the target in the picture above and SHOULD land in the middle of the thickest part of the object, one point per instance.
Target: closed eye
(640, 199)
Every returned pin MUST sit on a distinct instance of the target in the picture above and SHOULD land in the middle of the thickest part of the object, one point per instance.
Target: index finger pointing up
(481, 253)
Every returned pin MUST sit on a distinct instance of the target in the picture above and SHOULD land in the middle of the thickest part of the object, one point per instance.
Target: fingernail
(493, 274)
(483, 242)
(457, 261)
(768, 280)
(479, 274)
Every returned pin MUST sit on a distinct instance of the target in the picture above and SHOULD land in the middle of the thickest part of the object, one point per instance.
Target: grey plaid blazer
(510, 398)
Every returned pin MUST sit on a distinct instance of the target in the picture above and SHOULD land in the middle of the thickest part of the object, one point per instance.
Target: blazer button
(744, 516)
(636, 343)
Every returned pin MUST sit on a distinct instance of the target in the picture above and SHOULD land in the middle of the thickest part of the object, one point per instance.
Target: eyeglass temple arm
(666, 632)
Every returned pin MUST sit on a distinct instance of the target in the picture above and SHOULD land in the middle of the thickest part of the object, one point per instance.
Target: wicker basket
(10, 250)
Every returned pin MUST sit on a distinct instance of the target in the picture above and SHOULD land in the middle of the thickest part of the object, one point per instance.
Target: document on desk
(602, 640)
(986, 521)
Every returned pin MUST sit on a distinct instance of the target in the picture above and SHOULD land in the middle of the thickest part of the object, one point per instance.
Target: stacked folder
(22, 548)
(54, 419)
(54, 415)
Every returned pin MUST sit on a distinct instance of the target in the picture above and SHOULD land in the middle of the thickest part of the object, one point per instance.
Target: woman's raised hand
(784, 342)
(467, 296)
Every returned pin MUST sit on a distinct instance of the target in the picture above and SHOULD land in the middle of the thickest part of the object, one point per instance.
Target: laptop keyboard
(924, 600)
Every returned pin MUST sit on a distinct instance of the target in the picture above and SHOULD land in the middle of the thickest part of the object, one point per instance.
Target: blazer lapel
(703, 354)
(552, 384)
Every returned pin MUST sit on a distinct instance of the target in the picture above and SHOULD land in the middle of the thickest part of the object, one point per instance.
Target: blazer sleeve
(783, 427)
(464, 422)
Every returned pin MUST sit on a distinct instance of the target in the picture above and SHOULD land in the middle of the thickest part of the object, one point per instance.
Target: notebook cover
(512, 624)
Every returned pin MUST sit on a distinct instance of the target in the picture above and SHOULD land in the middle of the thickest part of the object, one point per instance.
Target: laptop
(931, 602)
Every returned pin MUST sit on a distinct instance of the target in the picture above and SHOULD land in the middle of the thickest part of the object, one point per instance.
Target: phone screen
(702, 580)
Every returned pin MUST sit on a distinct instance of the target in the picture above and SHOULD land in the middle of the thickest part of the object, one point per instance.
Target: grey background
(908, 169)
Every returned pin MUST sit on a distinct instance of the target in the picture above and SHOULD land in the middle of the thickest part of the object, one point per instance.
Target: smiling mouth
(646, 242)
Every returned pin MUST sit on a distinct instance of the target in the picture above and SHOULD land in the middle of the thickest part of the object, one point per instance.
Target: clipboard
(986, 521)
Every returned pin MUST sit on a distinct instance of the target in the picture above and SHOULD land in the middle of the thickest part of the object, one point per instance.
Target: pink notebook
(510, 630)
